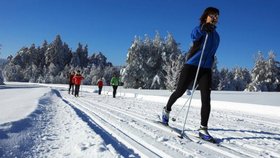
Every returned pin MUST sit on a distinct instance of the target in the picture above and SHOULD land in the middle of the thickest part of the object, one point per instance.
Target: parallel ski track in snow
(226, 150)
(246, 149)
(92, 106)
(145, 149)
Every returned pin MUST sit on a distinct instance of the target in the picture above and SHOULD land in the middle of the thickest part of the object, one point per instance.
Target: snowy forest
(152, 63)
(52, 63)
(156, 63)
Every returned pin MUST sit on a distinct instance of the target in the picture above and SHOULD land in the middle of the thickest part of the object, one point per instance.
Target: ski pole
(193, 87)
(174, 118)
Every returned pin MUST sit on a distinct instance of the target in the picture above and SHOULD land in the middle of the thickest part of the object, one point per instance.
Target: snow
(43, 120)
(16, 107)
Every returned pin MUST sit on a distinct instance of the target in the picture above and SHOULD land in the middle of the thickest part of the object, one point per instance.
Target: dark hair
(207, 11)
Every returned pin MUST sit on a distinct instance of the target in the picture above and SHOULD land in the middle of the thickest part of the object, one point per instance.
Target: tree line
(156, 63)
(152, 63)
(52, 63)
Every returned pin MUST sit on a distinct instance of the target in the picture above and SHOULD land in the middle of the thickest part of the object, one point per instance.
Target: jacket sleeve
(197, 33)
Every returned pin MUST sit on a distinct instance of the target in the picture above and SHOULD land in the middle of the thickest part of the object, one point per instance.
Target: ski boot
(165, 116)
(188, 92)
(203, 134)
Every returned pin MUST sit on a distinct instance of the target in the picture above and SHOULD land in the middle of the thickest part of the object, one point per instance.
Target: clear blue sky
(109, 26)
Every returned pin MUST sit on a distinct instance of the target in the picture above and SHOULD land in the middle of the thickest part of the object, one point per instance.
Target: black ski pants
(71, 86)
(115, 91)
(99, 89)
(77, 90)
(204, 81)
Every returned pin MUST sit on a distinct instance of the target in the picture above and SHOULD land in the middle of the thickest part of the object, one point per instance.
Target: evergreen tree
(272, 72)
(1, 78)
(132, 74)
(215, 75)
(14, 70)
(265, 74)
(153, 63)
(99, 60)
(1, 67)
(58, 53)
(226, 80)
(241, 78)
(97, 68)
(2, 63)
(173, 61)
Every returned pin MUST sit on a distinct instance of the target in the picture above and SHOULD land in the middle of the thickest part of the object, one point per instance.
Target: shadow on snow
(107, 137)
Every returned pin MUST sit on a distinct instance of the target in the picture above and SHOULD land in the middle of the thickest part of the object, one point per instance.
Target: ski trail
(144, 120)
(129, 140)
(247, 137)
(138, 113)
(189, 132)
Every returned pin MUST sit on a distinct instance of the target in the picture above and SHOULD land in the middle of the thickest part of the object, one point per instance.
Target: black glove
(208, 27)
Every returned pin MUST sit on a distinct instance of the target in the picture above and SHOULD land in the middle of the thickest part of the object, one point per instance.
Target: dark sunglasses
(213, 16)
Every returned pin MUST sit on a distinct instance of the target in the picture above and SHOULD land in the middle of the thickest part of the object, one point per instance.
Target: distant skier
(100, 85)
(77, 80)
(208, 22)
(71, 82)
(114, 83)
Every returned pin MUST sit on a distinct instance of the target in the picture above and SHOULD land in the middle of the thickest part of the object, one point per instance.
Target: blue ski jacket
(210, 48)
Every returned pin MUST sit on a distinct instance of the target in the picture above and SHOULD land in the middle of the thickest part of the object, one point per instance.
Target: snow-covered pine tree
(85, 73)
(272, 72)
(226, 79)
(58, 55)
(82, 53)
(241, 78)
(80, 57)
(172, 61)
(98, 63)
(14, 70)
(133, 72)
(258, 74)
(154, 65)
(265, 74)
(98, 60)
(30, 71)
(2, 62)
(1, 78)
(215, 75)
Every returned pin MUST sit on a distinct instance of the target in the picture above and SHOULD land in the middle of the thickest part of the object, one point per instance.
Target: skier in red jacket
(78, 79)
(100, 85)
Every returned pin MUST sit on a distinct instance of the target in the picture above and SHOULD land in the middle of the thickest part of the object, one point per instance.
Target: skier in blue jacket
(208, 22)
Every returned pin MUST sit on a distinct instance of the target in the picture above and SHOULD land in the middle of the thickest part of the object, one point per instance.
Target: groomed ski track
(128, 122)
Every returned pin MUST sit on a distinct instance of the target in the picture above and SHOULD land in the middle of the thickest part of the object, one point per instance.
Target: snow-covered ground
(45, 121)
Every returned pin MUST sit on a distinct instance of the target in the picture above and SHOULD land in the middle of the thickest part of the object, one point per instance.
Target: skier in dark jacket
(208, 22)
(71, 82)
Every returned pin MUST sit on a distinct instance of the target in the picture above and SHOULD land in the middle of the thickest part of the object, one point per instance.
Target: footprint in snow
(100, 148)
(162, 139)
